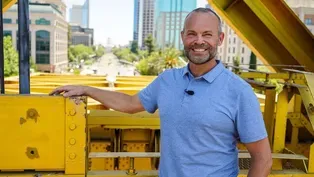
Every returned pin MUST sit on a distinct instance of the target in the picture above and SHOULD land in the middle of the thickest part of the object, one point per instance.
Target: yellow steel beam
(145, 173)
(27, 131)
(280, 127)
(75, 136)
(284, 76)
(42, 174)
(285, 25)
(113, 119)
(307, 94)
(269, 111)
(268, 38)
(7, 4)
(46, 133)
(311, 160)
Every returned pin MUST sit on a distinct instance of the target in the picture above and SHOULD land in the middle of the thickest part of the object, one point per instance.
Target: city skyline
(112, 20)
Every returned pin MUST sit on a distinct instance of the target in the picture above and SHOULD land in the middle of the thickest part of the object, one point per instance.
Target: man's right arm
(114, 100)
(145, 100)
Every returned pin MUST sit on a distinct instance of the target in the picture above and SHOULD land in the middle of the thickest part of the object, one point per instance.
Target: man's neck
(199, 70)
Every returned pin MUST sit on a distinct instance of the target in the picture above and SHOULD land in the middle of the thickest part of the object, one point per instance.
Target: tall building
(234, 48)
(48, 35)
(146, 26)
(59, 4)
(170, 16)
(81, 35)
(136, 19)
(300, 3)
(304, 9)
(79, 14)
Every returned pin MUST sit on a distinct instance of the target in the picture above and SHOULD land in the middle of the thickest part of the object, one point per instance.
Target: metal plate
(32, 133)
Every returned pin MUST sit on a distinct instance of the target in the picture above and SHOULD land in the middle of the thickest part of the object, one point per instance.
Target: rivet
(72, 127)
(72, 112)
(72, 156)
(72, 141)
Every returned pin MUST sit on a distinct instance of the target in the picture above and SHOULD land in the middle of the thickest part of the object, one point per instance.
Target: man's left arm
(261, 160)
(252, 133)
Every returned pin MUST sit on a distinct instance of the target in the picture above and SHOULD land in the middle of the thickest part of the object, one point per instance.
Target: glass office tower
(169, 20)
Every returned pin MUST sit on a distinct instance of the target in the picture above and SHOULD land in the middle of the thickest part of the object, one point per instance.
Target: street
(109, 65)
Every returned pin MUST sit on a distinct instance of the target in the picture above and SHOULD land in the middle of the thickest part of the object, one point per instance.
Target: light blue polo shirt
(199, 132)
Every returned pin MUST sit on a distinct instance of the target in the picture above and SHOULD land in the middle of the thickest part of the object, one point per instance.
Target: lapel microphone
(189, 92)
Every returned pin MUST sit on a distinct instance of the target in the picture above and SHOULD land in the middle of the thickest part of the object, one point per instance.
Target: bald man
(205, 109)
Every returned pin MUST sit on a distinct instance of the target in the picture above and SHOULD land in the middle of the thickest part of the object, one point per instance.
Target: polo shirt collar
(209, 76)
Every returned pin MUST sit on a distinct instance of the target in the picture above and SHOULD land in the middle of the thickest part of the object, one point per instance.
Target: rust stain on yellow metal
(37, 143)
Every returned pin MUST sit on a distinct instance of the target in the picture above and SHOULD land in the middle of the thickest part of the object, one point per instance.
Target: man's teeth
(199, 50)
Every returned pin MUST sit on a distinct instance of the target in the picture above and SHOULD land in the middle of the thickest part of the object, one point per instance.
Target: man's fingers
(59, 90)
(70, 93)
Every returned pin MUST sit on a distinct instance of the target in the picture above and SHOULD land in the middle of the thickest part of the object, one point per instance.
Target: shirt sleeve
(148, 95)
(249, 119)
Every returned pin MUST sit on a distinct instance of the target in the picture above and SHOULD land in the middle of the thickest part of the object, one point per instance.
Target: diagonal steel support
(308, 97)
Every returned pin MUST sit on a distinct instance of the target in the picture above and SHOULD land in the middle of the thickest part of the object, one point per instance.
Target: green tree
(100, 51)
(236, 63)
(158, 61)
(150, 44)
(152, 65)
(134, 47)
(80, 52)
(11, 66)
(253, 61)
(170, 56)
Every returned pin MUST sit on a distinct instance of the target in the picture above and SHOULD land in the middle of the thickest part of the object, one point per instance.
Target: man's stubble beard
(198, 60)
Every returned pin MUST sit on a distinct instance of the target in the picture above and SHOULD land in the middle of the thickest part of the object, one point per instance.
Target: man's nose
(199, 39)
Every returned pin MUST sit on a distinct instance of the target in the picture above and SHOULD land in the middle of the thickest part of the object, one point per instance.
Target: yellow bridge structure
(53, 136)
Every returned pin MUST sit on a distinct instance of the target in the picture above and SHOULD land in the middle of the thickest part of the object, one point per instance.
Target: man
(204, 109)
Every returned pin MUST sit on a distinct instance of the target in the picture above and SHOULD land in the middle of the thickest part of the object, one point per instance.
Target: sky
(112, 19)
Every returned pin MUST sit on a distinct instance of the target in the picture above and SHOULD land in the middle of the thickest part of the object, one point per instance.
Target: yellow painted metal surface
(7, 4)
(75, 136)
(45, 133)
(139, 163)
(101, 164)
(32, 130)
(280, 127)
(269, 112)
(270, 29)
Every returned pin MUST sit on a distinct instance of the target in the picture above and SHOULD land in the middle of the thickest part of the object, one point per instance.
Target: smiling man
(204, 109)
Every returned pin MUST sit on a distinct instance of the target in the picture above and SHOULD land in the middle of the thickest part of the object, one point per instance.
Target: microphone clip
(189, 92)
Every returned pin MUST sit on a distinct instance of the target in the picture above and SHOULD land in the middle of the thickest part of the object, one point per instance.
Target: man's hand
(110, 99)
(71, 90)
(261, 158)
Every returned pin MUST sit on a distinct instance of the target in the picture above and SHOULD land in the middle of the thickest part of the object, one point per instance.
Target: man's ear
(221, 37)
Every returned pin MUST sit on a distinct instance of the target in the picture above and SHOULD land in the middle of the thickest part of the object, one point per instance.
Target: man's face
(200, 37)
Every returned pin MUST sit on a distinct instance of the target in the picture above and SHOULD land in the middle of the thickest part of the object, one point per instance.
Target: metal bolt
(72, 156)
(131, 170)
(72, 127)
(72, 112)
(22, 120)
(72, 141)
